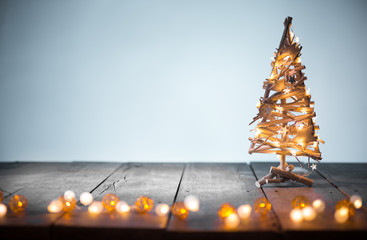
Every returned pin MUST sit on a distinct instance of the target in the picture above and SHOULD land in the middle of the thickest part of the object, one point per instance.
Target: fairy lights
(3, 210)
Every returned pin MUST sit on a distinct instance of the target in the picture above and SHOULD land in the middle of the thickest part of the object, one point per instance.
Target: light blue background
(170, 80)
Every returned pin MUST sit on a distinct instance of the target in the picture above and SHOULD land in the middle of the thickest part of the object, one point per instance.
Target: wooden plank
(324, 226)
(158, 181)
(48, 181)
(215, 184)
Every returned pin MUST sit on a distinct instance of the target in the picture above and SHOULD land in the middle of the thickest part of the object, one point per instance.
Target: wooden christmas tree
(287, 118)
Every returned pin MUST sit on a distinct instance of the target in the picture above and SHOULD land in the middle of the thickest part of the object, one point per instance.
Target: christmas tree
(287, 118)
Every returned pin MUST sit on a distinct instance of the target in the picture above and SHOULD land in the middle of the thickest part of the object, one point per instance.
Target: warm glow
(279, 108)
(276, 143)
(304, 111)
(3, 210)
(257, 132)
(298, 60)
(55, 206)
(258, 104)
(86, 198)
(292, 35)
(294, 153)
(178, 210)
(299, 127)
(225, 210)
(315, 144)
(308, 92)
(109, 201)
(69, 195)
(297, 39)
(122, 207)
(192, 203)
(356, 201)
(341, 215)
(300, 202)
(244, 211)
(262, 206)
(162, 209)
(95, 208)
(144, 204)
(309, 213)
(318, 205)
(296, 215)
(18, 203)
(232, 221)
(286, 91)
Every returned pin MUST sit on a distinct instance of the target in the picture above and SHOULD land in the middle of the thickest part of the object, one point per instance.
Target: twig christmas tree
(287, 126)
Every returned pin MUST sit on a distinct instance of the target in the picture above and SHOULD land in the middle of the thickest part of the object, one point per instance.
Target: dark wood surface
(212, 183)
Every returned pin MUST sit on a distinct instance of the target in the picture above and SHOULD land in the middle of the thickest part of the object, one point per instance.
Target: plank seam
(280, 229)
(333, 184)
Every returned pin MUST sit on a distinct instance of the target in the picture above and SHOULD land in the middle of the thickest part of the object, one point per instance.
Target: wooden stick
(293, 176)
(269, 177)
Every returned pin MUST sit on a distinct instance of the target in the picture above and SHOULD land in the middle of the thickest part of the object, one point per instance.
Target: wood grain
(47, 181)
(158, 181)
(215, 184)
(280, 195)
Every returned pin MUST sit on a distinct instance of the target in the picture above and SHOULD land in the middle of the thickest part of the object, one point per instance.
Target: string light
(69, 195)
(86, 198)
(95, 208)
(297, 39)
(345, 203)
(341, 215)
(68, 205)
(276, 143)
(304, 111)
(298, 60)
(232, 221)
(257, 132)
(162, 209)
(192, 203)
(55, 206)
(286, 91)
(144, 204)
(179, 210)
(356, 201)
(3, 210)
(296, 215)
(300, 202)
(308, 92)
(318, 205)
(294, 153)
(308, 213)
(258, 104)
(244, 211)
(18, 203)
(110, 201)
(225, 210)
(262, 206)
(122, 207)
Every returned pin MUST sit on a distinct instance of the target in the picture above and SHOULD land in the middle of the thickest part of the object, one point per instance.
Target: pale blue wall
(170, 80)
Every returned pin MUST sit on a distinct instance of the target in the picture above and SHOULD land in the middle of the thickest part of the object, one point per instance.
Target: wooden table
(212, 183)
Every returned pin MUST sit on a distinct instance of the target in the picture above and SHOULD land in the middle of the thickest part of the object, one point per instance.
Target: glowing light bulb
(258, 104)
(314, 145)
(192, 203)
(95, 208)
(18, 203)
(294, 153)
(318, 205)
(300, 202)
(3, 210)
(304, 111)
(308, 213)
(232, 221)
(86, 198)
(296, 215)
(109, 201)
(299, 127)
(272, 59)
(179, 210)
(356, 201)
(341, 215)
(144, 204)
(292, 35)
(162, 209)
(276, 143)
(67, 205)
(244, 211)
(55, 206)
(286, 91)
(257, 133)
(297, 39)
(308, 92)
(279, 108)
(298, 60)
(262, 206)
(122, 207)
(69, 195)
(225, 210)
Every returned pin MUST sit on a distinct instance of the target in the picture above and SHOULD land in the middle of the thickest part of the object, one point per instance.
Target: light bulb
(69, 195)
(55, 206)
(192, 203)
(95, 208)
(341, 215)
(356, 201)
(232, 221)
(308, 213)
(318, 205)
(296, 215)
(244, 211)
(86, 198)
(122, 207)
(3, 210)
(162, 209)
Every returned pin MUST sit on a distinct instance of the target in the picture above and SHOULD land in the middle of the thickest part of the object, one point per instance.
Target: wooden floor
(213, 183)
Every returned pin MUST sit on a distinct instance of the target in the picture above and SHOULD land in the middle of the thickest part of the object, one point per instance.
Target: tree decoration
(122, 207)
(296, 215)
(162, 209)
(86, 198)
(144, 204)
(225, 210)
(55, 206)
(179, 210)
(244, 211)
(300, 202)
(232, 221)
(192, 203)
(110, 201)
(341, 215)
(287, 118)
(69, 195)
(356, 201)
(318, 205)
(345, 203)
(262, 206)
(18, 203)
(95, 208)
(68, 204)
(308, 213)
(3, 210)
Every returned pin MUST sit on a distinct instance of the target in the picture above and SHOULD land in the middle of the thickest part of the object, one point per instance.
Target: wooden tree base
(277, 175)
